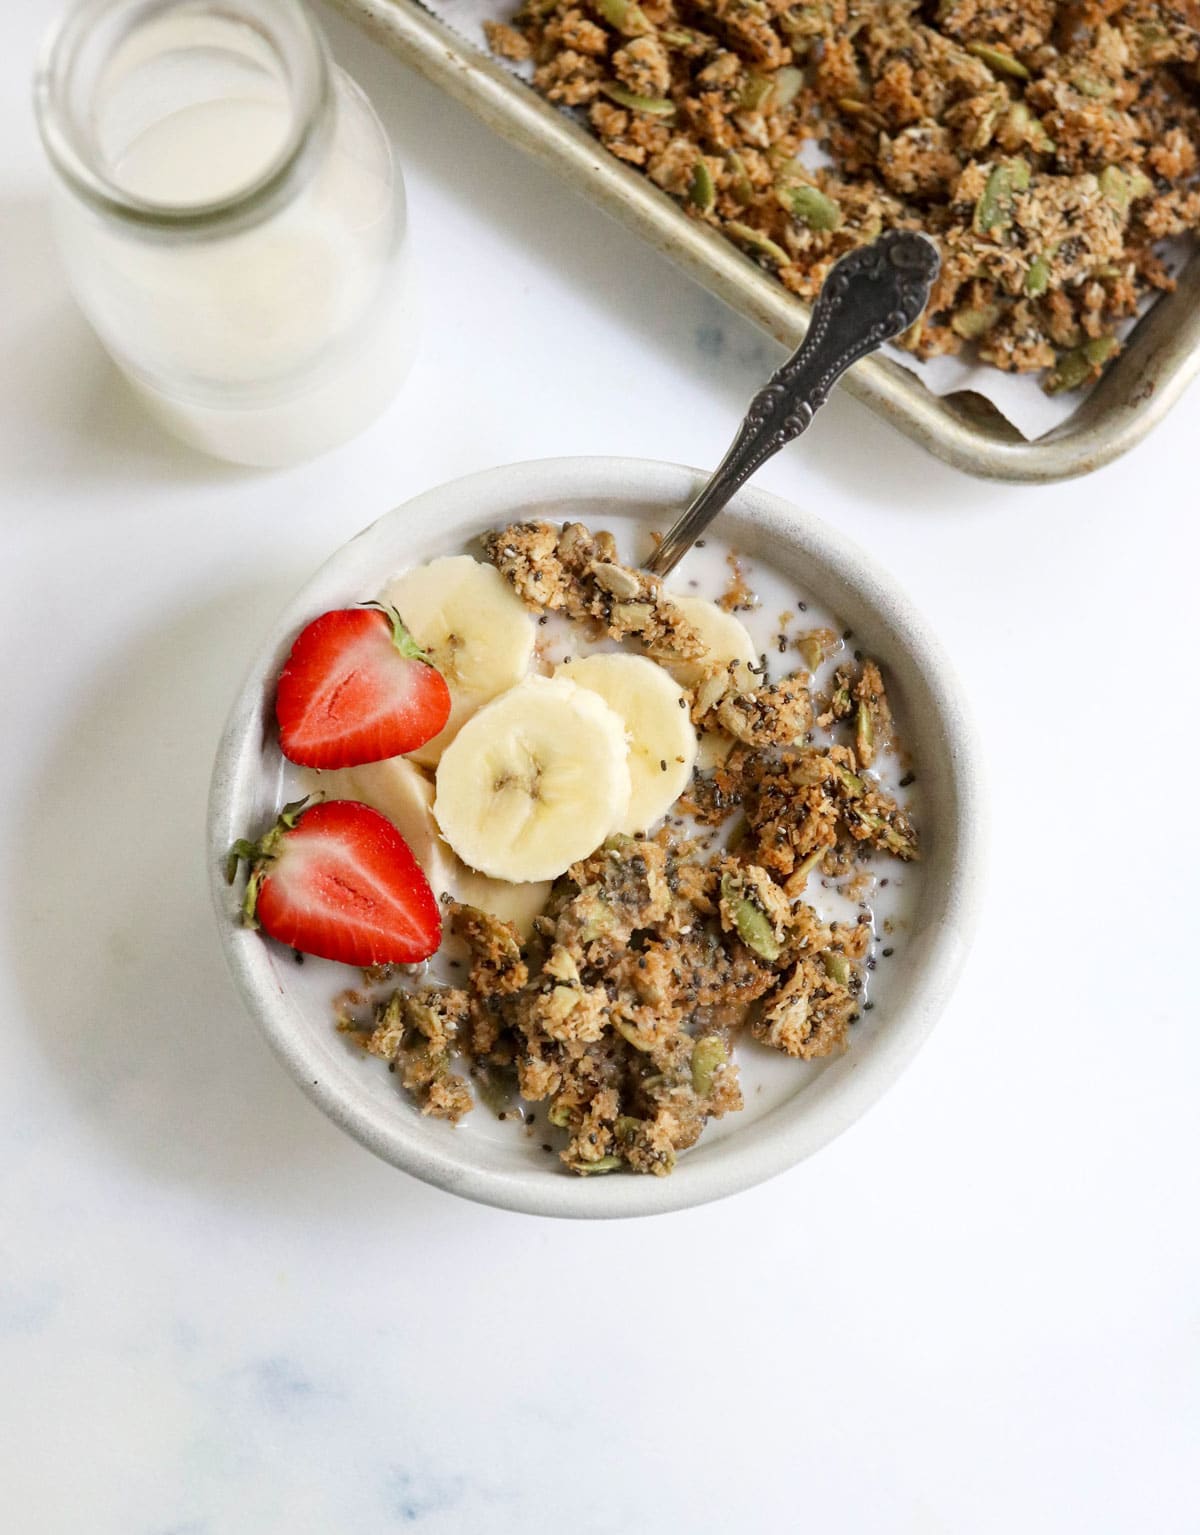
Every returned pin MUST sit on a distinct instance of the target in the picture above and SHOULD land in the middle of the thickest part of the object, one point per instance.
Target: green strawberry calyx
(401, 638)
(260, 855)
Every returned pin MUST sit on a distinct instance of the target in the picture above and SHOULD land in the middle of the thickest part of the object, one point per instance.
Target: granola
(621, 1008)
(1047, 147)
(569, 570)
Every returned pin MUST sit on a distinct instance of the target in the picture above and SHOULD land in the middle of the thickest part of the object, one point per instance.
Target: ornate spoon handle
(870, 295)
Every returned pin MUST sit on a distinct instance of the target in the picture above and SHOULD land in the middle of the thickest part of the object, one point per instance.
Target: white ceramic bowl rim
(852, 586)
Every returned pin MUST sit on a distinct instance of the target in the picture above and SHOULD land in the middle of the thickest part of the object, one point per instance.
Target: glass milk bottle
(230, 219)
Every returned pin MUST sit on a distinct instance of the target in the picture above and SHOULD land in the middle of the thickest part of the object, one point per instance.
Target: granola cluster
(621, 1008)
(1048, 147)
(572, 571)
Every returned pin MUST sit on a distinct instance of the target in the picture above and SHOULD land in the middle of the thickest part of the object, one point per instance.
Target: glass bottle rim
(297, 44)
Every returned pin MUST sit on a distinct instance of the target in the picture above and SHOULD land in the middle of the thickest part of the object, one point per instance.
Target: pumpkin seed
(994, 208)
(753, 926)
(970, 324)
(1037, 279)
(626, 15)
(809, 205)
(653, 106)
(999, 63)
(758, 242)
(708, 1054)
(702, 192)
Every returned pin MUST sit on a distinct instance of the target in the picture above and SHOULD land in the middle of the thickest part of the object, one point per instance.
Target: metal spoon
(870, 295)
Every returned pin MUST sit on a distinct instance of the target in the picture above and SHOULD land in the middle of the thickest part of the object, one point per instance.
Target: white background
(977, 1311)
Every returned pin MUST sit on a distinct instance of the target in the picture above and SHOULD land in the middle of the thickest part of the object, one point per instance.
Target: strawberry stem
(240, 849)
(250, 899)
(290, 814)
(401, 638)
(261, 854)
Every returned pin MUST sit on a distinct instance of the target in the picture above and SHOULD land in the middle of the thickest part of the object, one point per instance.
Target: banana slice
(477, 631)
(534, 781)
(662, 738)
(724, 637)
(518, 904)
(401, 791)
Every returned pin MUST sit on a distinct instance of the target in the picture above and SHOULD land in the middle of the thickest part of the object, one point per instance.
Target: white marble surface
(975, 1312)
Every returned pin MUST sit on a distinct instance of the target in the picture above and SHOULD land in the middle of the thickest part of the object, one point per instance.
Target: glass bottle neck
(190, 117)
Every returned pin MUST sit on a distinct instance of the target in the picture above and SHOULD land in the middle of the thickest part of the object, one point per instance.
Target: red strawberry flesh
(344, 885)
(357, 689)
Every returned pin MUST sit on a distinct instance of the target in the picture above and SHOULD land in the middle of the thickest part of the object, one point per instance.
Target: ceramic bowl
(495, 1163)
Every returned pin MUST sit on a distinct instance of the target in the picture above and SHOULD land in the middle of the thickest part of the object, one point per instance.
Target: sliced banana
(476, 630)
(400, 791)
(534, 781)
(662, 738)
(724, 637)
(514, 903)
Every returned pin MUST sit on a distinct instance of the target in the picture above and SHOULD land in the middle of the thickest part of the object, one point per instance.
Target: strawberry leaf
(240, 849)
(259, 855)
(401, 638)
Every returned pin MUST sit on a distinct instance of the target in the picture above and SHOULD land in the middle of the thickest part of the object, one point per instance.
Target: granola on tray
(1048, 147)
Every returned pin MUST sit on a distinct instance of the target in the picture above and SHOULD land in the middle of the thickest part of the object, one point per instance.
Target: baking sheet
(1160, 359)
(1020, 399)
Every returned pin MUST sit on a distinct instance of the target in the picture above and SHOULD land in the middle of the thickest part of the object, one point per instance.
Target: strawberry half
(357, 688)
(339, 881)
